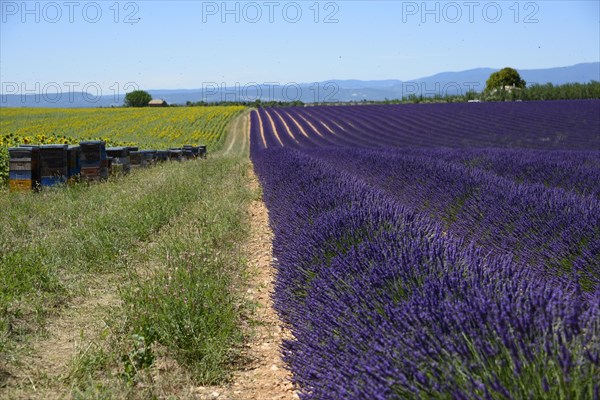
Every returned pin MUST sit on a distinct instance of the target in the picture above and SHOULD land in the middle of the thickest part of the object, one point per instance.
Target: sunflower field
(158, 128)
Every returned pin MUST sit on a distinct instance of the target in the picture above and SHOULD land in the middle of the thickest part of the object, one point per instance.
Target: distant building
(157, 103)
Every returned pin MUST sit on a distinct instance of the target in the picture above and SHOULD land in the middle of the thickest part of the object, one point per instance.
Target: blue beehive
(162, 155)
(53, 164)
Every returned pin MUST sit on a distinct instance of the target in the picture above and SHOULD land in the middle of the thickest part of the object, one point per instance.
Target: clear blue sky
(185, 44)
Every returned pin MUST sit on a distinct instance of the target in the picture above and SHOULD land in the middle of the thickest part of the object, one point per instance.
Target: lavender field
(444, 251)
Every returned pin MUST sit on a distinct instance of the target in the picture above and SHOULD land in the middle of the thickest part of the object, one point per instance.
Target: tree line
(255, 103)
(547, 91)
(503, 85)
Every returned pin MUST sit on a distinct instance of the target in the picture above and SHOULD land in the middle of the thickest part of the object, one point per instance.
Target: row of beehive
(34, 167)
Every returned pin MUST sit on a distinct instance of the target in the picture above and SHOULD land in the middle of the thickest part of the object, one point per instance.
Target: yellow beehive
(20, 185)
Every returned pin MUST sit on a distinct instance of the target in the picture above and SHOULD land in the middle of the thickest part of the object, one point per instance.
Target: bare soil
(266, 377)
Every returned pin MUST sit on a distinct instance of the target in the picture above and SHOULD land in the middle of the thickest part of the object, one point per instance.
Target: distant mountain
(558, 76)
(450, 83)
(61, 100)
(357, 84)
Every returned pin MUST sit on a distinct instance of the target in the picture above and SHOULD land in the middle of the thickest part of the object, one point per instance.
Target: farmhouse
(157, 103)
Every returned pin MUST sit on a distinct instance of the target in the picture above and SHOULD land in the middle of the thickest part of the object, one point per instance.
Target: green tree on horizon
(505, 77)
(137, 98)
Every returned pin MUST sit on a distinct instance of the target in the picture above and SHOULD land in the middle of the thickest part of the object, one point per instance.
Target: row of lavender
(383, 304)
(558, 125)
(574, 171)
(554, 230)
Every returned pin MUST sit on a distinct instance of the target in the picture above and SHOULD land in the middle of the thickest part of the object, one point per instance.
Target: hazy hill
(333, 90)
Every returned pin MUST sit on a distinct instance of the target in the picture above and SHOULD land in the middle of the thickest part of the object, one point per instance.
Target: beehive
(175, 154)
(24, 171)
(149, 156)
(162, 155)
(194, 149)
(121, 162)
(136, 159)
(94, 162)
(54, 168)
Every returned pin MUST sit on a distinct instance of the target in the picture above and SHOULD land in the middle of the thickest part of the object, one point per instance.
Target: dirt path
(266, 376)
(237, 141)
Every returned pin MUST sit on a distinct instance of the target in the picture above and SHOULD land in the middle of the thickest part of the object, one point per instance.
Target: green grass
(62, 233)
(169, 235)
(188, 305)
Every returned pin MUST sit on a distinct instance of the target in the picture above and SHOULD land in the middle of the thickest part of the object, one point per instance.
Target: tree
(503, 78)
(137, 98)
(470, 95)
